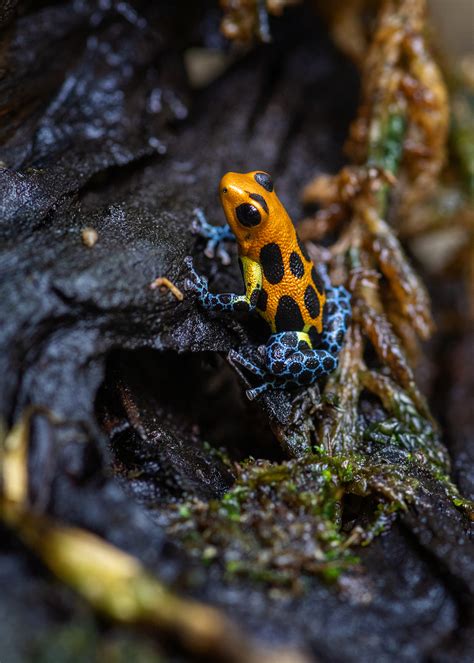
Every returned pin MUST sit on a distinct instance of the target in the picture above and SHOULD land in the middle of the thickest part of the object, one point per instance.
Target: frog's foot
(215, 236)
(256, 391)
(236, 358)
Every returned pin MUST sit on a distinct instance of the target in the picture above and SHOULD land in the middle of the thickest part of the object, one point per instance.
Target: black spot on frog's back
(311, 301)
(296, 265)
(288, 316)
(272, 263)
(303, 249)
(262, 300)
(264, 180)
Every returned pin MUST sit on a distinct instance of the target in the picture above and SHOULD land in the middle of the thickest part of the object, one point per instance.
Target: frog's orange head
(249, 203)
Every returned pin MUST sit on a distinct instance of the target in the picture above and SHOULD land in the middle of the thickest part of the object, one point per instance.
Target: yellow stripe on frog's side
(252, 274)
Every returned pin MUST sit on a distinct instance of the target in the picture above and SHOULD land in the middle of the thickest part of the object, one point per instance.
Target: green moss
(282, 521)
(386, 147)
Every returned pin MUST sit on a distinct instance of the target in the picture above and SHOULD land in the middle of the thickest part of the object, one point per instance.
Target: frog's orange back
(292, 296)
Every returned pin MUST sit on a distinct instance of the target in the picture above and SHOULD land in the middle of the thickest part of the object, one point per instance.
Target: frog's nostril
(224, 190)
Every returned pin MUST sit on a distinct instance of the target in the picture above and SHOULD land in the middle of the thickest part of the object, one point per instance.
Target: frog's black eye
(264, 180)
(248, 215)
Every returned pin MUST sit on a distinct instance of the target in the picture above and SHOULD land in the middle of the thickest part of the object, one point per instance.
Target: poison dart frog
(307, 316)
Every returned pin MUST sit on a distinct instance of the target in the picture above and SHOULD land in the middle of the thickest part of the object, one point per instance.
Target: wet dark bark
(101, 129)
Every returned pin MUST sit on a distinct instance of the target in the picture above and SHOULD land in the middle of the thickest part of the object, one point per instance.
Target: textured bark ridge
(134, 427)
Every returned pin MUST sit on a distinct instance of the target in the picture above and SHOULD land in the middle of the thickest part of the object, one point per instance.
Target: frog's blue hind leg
(215, 236)
(291, 360)
(337, 314)
(337, 319)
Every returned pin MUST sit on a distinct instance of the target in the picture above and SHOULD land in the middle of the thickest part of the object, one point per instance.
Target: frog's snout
(226, 183)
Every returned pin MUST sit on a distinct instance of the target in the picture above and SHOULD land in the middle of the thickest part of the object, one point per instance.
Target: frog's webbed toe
(256, 391)
(236, 358)
(215, 235)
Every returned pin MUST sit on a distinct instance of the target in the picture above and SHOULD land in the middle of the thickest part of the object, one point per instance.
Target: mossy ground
(283, 521)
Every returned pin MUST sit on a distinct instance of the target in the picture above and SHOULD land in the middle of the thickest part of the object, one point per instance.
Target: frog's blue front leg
(222, 302)
(215, 236)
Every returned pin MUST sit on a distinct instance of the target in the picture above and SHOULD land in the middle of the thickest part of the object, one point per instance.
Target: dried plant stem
(400, 132)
